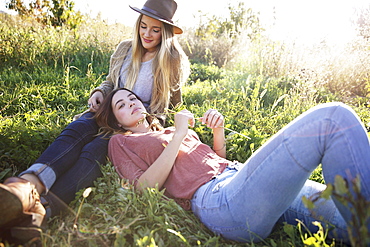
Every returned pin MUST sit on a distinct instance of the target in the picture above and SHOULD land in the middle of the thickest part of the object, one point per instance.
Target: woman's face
(127, 109)
(150, 33)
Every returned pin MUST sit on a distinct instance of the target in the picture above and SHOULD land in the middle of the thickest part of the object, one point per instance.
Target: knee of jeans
(345, 111)
(341, 111)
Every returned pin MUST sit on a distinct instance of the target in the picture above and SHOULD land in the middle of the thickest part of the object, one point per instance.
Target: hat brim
(176, 29)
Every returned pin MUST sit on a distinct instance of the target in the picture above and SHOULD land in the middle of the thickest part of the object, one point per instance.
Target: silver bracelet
(220, 148)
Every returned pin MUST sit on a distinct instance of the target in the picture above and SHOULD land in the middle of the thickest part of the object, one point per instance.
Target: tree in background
(239, 20)
(363, 22)
(216, 39)
(54, 12)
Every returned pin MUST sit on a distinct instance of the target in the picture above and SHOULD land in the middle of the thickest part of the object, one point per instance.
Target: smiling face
(150, 33)
(127, 109)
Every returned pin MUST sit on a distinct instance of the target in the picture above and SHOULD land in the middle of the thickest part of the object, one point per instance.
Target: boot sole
(11, 209)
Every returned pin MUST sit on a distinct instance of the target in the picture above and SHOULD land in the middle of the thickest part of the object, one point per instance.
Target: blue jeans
(244, 203)
(71, 162)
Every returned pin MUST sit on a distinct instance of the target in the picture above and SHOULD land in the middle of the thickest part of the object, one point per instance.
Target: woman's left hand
(213, 119)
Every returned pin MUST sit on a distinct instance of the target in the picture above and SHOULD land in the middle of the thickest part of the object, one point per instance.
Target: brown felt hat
(161, 10)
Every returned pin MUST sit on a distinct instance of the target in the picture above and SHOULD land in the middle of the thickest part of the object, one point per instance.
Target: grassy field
(46, 75)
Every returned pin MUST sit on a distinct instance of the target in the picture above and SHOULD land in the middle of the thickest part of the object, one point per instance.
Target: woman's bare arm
(158, 172)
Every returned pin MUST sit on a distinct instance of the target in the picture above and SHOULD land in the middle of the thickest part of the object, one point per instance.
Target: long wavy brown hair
(107, 121)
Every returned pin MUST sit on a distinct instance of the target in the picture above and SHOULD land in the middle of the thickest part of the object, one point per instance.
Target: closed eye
(155, 28)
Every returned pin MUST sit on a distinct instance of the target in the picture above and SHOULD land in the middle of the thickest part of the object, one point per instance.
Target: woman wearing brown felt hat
(153, 65)
(153, 41)
(160, 10)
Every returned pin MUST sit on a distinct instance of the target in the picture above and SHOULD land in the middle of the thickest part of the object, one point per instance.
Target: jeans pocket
(225, 177)
(217, 187)
(220, 185)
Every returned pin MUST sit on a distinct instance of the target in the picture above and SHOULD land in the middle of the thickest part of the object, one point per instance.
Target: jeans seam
(295, 160)
(68, 149)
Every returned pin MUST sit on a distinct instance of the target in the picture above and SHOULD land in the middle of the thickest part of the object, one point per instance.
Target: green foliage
(317, 239)
(217, 40)
(253, 107)
(203, 72)
(30, 46)
(33, 112)
(115, 215)
(46, 75)
(239, 20)
(56, 13)
(46, 78)
(348, 193)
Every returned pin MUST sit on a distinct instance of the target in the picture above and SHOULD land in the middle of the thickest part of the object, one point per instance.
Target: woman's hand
(213, 119)
(95, 100)
(183, 119)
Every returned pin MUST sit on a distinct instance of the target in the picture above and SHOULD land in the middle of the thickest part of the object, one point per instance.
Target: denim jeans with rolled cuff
(70, 163)
(245, 203)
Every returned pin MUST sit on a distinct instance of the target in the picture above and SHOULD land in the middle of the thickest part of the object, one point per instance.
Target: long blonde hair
(168, 71)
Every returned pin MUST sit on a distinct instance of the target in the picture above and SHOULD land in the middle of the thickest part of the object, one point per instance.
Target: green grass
(45, 79)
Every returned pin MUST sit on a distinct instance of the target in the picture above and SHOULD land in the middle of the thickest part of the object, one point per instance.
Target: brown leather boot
(19, 198)
(21, 213)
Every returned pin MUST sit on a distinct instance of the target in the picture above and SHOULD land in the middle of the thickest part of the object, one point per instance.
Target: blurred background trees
(216, 40)
(55, 12)
(235, 40)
